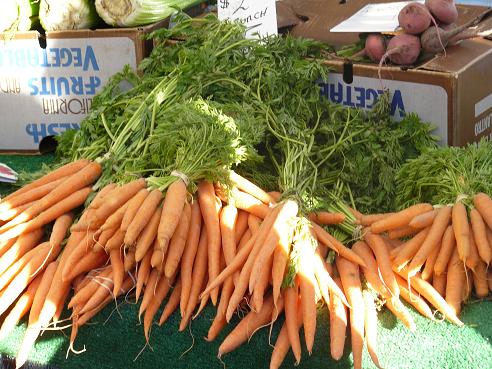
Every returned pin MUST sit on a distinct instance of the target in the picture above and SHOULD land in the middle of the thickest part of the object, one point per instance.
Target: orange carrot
(370, 271)
(172, 208)
(60, 228)
(65, 190)
(118, 269)
(401, 232)
(41, 292)
(473, 258)
(12, 213)
(338, 323)
(143, 274)
(400, 218)
(254, 223)
(241, 225)
(328, 240)
(349, 274)
(172, 303)
(428, 270)
(148, 235)
(439, 283)
(250, 188)
(61, 172)
(249, 203)
(414, 299)
(161, 291)
(455, 283)
(480, 280)
(279, 263)
(431, 242)
(22, 245)
(370, 326)
(227, 221)
(291, 307)
(102, 196)
(134, 205)
(178, 243)
(326, 284)
(115, 219)
(380, 250)
(220, 320)
(189, 254)
(483, 203)
(409, 249)
(448, 244)
(423, 220)
(401, 312)
(367, 219)
(247, 327)
(480, 235)
(325, 217)
(90, 261)
(261, 286)
(21, 308)
(207, 200)
(461, 229)
(62, 206)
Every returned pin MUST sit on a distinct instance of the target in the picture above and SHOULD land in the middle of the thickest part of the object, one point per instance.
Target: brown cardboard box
(47, 82)
(452, 91)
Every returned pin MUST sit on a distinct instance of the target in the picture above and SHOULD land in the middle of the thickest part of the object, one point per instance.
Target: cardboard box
(452, 91)
(47, 82)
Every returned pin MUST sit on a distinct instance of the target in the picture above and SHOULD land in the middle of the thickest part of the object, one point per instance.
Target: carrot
(307, 283)
(414, 299)
(90, 261)
(102, 196)
(428, 270)
(60, 228)
(400, 311)
(148, 236)
(370, 271)
(62, 206)
(370, 326)
(63, 171)
(227, 221)
(134, 205)
(189, 254)
(409, 249)
(16, 267)
(455, 283)
(401, 232)
(198, 275)
(423, 220)
(328, 240)
(282, 344)
(22, 245)
(7, 215)
(178, 243)
(431, 242)
(102, 240)
(115, 219)
(150, 288)
(143, 274)
(291, 306)
(254, 223)
(172, 208)
(432, 296)
(207, 200)
(247, 327)
(118, 269)
(439, 283)
(325, 217)
(85, 292)
(65, 189)
(461, 229)
(380, 250)
(116, 241)
(172, 303)
(367, 219)
(249, 203)
(349, 274)
(250, 188)
(41, 292)
(279, 263)
(29, 196)
(220, 320)
(161, 291)
(5, 245)
(246, 237)
(21, 308)
(338, 323)
(241, 225)
(143, 216)
(261, 286)
(61, 305)
(400, 218)
(448, 244)
(480, 235)
(480, 280)
(473, 258)
(326, 284)
(483, 203)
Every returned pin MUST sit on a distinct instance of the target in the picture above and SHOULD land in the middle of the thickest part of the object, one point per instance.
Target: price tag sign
(7, 174)
(259, 17)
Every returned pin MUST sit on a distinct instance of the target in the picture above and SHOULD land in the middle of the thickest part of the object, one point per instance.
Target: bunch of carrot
(30, 259)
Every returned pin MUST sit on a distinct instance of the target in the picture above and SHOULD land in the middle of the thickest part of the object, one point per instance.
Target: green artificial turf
(115, 338)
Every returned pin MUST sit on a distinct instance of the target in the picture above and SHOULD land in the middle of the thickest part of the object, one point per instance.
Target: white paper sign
(381, 17)
(7, 174)
(260, 17)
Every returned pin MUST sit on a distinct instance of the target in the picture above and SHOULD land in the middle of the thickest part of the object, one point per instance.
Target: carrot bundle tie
(181, 175)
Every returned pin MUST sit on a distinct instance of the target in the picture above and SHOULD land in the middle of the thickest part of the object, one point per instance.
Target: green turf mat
(114, 340)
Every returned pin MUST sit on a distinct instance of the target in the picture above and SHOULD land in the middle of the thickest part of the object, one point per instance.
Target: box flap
(319, 16)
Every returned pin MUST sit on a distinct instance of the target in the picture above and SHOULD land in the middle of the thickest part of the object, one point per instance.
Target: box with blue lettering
(453, 91)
